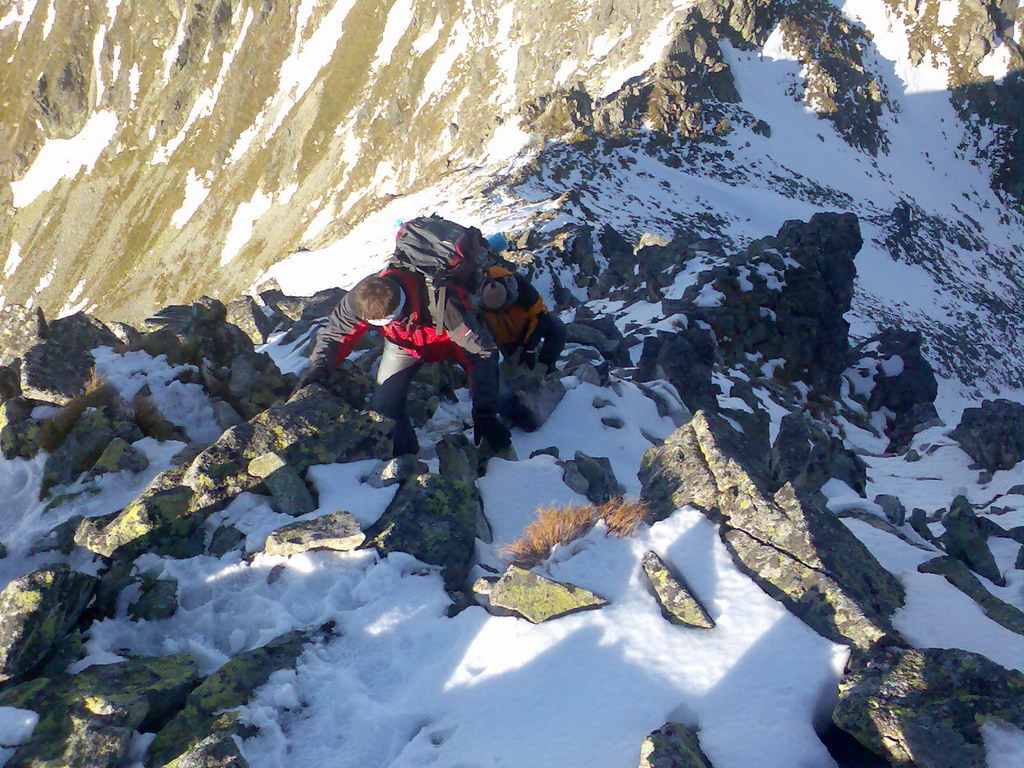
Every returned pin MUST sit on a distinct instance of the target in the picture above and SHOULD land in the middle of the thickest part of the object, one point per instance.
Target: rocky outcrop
(88, 719)
(797, 552)
(673, 746)
(534, 597)
(678, 605)
(36, 611)
(992, 434)
(925, 708)
(807, 455)
(965, 538)
(434, 519)
(86, 443)
(157, 600)
(960, 576)
(339, 531)
(232, 685)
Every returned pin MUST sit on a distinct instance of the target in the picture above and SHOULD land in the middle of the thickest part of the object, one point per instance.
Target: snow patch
(997, 64)
(246, 216)
(195, 195)
(399, 17)
(13, 259)
(63, 158)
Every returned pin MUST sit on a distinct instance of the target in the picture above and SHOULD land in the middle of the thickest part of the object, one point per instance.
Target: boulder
(537, 598)
(536, 398)
(960, 576)
(397, 470)
(457, 458)
(219, 749)
(965, 538)
(36, 611)
(798, 552)
(58, 368)
(805, 455)
(83, 446)
(158, 600)
(924, 708)
(892, 507)
(158, 520)
(233, 685)
(88, 720)
(685, 360)
(434, 519)
(251, 318)
(339, 531)
(290, 493)
(19, 430)
(592, 477)
(891, 372)
(20, 329)
(673, 746)
(678, 605)
(993, 434)
(119, 456)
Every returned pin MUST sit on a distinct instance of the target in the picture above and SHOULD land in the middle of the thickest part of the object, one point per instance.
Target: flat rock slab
(677, 603)
(961, 577)
(924, 708)
(537, 598)
(36, 611)
(339, 531)
(673, 746)
(796, 551)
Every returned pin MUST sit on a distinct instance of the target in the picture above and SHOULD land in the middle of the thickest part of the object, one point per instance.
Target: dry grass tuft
(150, 420)
(54, 429)
(554, 525)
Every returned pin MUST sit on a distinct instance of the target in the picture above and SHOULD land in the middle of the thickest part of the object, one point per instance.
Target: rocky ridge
(752, 360)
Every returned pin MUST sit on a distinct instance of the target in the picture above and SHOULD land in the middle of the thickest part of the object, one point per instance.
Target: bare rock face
(798, 553)
(924, 708)
(992, 434)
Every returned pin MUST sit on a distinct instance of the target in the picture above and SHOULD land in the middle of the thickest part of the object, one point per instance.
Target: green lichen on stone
(88, 719)
(339, 531)
(36, 611)
(924, 708)
(231, 686)
(537, 598)
(677, 602)
(159, 599)
(433, 518)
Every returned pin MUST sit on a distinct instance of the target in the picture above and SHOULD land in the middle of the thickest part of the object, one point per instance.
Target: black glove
(491, 429)
(314, 374)
(528, 357)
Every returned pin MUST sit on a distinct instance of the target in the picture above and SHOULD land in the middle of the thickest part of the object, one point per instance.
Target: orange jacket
(514, 325)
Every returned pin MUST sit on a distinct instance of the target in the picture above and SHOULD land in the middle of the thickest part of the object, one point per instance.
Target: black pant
(398, 367)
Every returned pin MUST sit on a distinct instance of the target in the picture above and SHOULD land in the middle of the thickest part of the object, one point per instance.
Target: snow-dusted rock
(961, 577)
(926, 708)
(799, 553)
(88, 719)
(992, 434)
(19, 430)
(36, 611)
(339, 531)
(230, 686)
(673, 746)
(807, 455)
(677, 601)
(159, 599)
(86, 443)
(965, 538)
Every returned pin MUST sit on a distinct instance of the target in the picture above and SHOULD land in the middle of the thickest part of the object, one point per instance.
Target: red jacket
(461, 337)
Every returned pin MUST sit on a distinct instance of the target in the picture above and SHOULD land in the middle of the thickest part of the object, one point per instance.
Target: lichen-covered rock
(218, 750)
(85, 444)
(58, 369)
(87, 720)
(457, 458)
(993, 434)
(254, 321)
(158, 600)
(673, 746)
(960, 576)
(339, 531)
(159, 519)
(19, 431)
(120, 456)
(677, 602)
(797, 552)
(311, 428)
(290, 493)
(36, 611)
(232, 685)
(924, 708)
(20, 329)
(433, 518)
(397, 470)
(965, 538)
(537, 598)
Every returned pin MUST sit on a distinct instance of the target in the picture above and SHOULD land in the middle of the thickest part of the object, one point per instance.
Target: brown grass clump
(560, 525)
(150, 420)
(54, 429)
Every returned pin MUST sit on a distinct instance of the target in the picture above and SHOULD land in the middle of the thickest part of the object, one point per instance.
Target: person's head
(378, 300)
(498, 292)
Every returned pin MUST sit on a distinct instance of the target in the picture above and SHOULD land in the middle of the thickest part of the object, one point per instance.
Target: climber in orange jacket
(519, 321)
